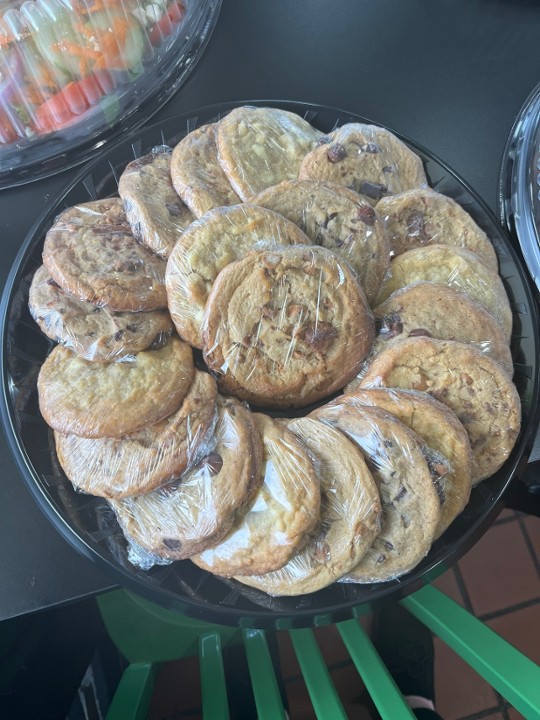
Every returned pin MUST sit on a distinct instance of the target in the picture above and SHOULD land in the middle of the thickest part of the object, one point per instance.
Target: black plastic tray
(87, 522)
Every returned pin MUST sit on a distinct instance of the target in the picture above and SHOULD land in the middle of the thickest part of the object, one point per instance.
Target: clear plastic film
(260, 147)
(156, 214)
(456, 267)
(284, 328)
(410, 502)
(475, 387)
(94, 400)
(284, 511)
(423, 216)
(368, 159)
(92, 332)
(91, 253)
(441, 312)
(198, 508)
(209, 244)
(139, 462)
(349, 520)
(197, 175)
(337, 218)
(442, 432)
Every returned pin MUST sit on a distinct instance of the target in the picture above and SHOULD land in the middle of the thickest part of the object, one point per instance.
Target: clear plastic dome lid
(73, 71)
(519, 185)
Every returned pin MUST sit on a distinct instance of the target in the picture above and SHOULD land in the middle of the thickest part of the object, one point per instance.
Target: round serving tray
(88, 523)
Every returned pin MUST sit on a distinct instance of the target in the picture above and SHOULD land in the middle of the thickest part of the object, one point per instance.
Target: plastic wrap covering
(438, 311)
(142, 461)
(199, 508)
(338, 219)
(197, 175)
(457, 268)
(422, 217)
(367, 159)
(110, 400)
(409, 498)
(156, 215)
(350, 515)
(285, 328)
(285, 510)
(475, 387)
(73, 70)
(220, 237)
(440, 429)
(260, 147)
(92, 332)
(91, 253)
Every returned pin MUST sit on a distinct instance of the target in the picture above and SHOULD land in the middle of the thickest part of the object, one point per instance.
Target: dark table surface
(451, 75)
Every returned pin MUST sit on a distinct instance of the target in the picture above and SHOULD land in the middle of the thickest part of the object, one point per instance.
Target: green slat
(213, 689)
(321, 689)
(511, 673)
(134, 692)
(378, 681)
(263, 678)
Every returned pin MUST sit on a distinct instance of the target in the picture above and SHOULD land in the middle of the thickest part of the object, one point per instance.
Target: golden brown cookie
(411, 507)
(114, 399)
(367, 159)
(196, 173)
(199, 508)
(339, 220)
(440, 429)
(350, 515)
(422, 217)
(92, 332)
(91, 253)
(260, 147)
(441, 312)
(456, 267)
(287, 327)
(285, 510)
(475, 387)
(144, 460)
(218, 238)
(156, 215)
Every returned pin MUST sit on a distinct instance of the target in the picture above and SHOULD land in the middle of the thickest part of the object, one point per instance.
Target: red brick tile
(521, 629)
(177, 689)
(331, 645)
(532, 526)
(300, 707)
(459, 690)
(507, 515)
(287, 656)
(499, 572)
(513, 714)
(348, 683)
(447, 584)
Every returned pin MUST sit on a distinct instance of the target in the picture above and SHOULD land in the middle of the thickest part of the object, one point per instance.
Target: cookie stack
(259, 267)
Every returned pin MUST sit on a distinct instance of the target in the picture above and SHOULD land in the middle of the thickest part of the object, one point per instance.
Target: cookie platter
(88, 522)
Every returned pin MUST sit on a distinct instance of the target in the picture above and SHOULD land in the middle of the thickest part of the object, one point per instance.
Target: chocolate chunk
(319, 335)
(373, 190)
(367, 214)
(381, 559)
(406, 522)
(174, 209)
(325, 140)
(416, 227)
(213, 463)
(388, 169)
(336, 153)
(419, 332)
(388, 545)
(371, 148)
(171, 543)
(401, 494)
(390, 326)
(118, 335)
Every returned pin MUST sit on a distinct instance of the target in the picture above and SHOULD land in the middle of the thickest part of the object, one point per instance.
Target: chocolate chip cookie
(441, 312)
(474, 386)
(196, 173)
(440, 429)
(218, 238)
(422, 216)
(156, 215)
(144, 460)
(92, 332)
(367, 159)
(339, 220)
(113, 399)
(284, 512)
(410, 504)
(260, 147)
(456, 267)
(91, 253)
(199, 508)
(284, 328)
(350, 515)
